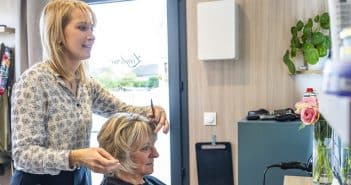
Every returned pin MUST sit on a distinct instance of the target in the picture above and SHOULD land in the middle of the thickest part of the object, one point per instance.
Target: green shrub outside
(112, 84)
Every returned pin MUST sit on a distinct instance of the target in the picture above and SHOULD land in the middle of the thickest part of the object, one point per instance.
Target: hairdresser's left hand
(160, 118)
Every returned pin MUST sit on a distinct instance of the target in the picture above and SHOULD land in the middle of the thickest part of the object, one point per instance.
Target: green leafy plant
(311, 39)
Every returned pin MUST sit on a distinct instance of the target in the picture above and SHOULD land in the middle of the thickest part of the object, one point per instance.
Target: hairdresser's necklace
(72, 85)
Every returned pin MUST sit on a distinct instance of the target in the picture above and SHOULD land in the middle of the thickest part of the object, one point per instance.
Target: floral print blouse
(48, 120)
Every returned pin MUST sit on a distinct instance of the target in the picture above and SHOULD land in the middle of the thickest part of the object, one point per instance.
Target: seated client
(130, 138)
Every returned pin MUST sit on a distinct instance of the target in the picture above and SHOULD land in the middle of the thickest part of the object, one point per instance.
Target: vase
(346, 165)
(322, 173)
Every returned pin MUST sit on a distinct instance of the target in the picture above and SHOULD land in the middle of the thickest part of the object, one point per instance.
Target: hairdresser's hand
(97, 159)
(160, 118)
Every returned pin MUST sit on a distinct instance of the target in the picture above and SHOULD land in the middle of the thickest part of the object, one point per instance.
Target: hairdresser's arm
(106, 104)
(30, 141)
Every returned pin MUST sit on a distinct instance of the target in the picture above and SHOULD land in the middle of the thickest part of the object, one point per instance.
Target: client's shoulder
(151, 180)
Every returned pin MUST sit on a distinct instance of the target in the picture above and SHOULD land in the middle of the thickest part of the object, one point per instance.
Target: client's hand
(97, 159)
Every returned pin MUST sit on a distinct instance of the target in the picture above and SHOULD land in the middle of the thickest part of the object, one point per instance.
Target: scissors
(152, 109)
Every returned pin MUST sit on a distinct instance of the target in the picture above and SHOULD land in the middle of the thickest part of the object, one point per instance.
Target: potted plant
(311, 39)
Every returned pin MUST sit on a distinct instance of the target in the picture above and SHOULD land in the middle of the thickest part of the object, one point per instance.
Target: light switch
(210, 118)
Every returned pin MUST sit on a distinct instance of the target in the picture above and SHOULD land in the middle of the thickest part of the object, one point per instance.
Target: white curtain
(28, 46)
(28, 51)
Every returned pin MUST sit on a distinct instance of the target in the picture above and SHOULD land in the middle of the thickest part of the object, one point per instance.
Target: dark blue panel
(214, 163)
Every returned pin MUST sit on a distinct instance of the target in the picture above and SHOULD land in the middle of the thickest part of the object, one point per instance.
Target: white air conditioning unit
(217, 30)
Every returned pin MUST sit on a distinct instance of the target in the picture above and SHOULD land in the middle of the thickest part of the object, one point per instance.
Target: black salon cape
(149, 180)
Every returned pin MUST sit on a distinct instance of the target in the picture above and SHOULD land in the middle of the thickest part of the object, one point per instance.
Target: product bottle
(309, 93)
(345, 48)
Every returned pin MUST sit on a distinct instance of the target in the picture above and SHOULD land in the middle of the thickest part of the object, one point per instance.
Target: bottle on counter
(309, 93)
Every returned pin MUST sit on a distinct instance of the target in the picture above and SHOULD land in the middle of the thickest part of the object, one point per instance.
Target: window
(130, 58)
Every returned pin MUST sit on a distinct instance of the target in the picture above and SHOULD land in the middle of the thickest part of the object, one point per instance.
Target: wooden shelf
(309, 72)
(5, 29)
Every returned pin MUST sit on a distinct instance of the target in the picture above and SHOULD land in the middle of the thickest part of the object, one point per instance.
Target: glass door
(130, 58)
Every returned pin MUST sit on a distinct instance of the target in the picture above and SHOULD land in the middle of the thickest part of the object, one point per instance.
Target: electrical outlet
(210, 118)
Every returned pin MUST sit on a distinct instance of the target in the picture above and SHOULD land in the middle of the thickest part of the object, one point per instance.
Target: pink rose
(309, 115)
(307, 102)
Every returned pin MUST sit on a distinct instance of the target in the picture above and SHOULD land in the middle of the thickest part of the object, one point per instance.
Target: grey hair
(123, 134)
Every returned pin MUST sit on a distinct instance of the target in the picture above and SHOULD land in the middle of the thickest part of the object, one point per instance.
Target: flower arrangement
(346, 165)
(308, 109)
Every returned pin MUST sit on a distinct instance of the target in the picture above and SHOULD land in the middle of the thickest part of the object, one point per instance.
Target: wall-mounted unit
(217, 26)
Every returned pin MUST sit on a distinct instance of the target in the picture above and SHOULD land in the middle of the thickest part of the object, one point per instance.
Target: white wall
(8, 18)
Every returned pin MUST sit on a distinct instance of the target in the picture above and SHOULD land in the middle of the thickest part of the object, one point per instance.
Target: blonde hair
(123, 134)
(54, 18)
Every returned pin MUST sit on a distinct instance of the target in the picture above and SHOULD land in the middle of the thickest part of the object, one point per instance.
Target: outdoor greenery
(311, 39)
(113, 84)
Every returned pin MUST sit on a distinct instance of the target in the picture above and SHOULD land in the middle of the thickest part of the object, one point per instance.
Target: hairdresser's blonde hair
(123, 134)
(54, 18)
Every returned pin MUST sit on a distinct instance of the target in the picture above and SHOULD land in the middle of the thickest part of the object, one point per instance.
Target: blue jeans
(77, 177)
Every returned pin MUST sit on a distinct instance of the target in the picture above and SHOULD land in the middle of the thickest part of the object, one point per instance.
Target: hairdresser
(53, 101)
